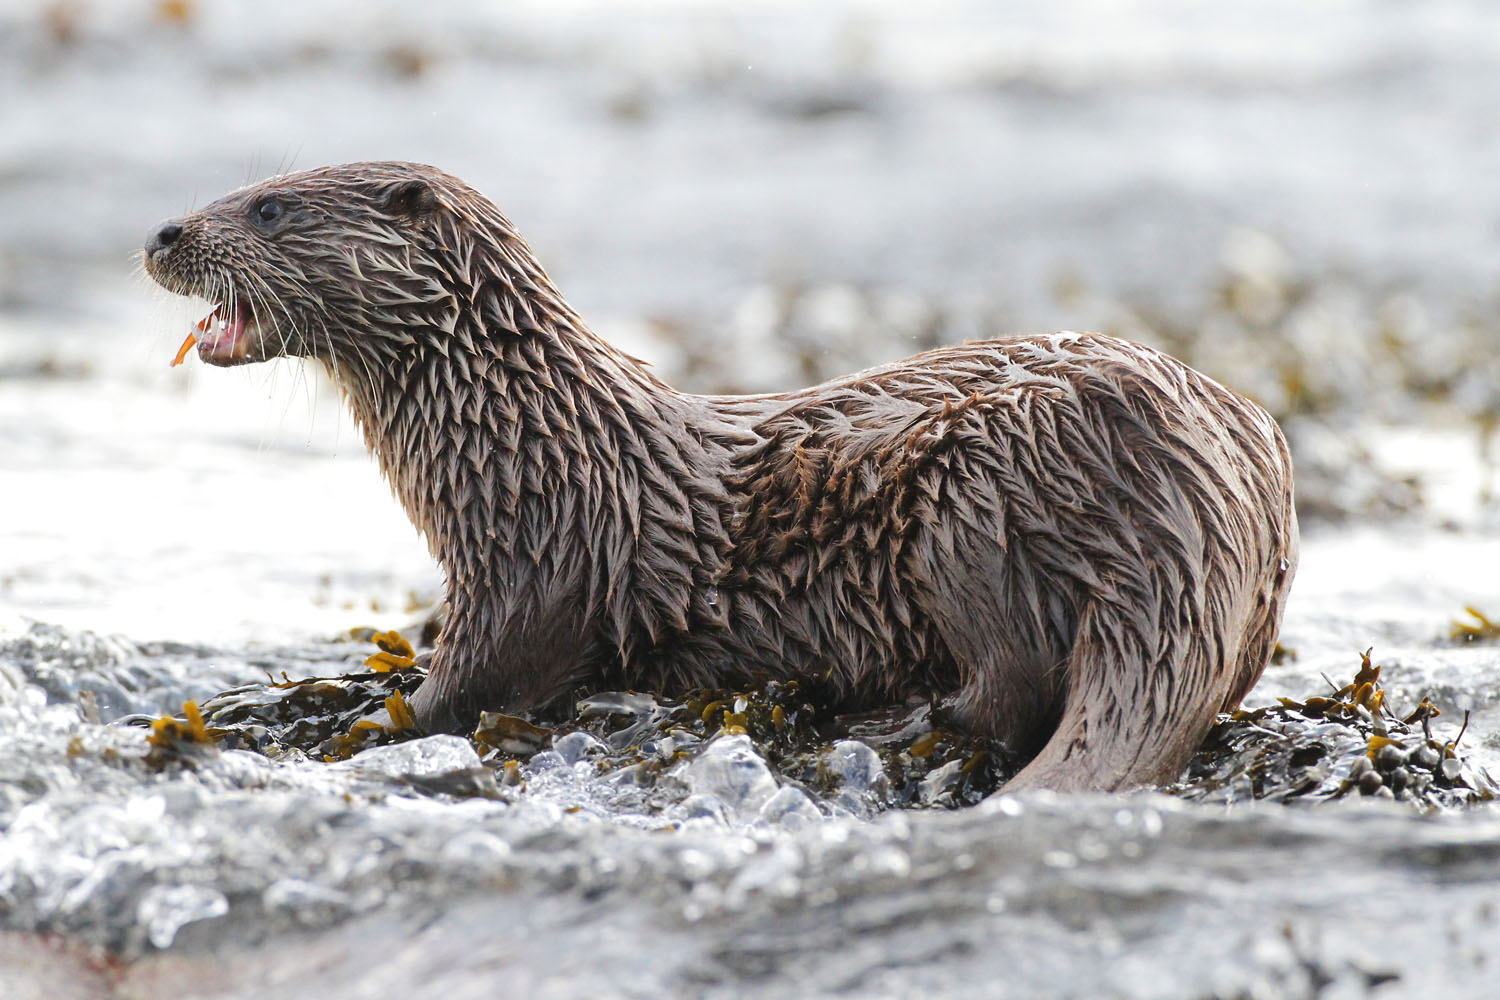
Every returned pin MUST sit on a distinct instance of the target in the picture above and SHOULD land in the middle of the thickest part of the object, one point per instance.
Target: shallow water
(168, 534)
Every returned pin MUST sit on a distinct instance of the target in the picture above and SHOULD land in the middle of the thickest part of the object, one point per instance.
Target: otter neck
(561, 487)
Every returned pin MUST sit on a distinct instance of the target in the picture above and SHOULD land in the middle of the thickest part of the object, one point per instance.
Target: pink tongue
(222, 341)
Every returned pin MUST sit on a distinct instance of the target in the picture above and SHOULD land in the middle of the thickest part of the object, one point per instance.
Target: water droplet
(713, 597)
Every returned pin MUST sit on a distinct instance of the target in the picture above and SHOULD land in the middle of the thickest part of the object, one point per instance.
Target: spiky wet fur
(1081, 542)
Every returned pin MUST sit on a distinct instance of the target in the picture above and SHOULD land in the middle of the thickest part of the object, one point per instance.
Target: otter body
(1082, 543)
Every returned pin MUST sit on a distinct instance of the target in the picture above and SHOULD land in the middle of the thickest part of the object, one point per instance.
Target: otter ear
(410, 198)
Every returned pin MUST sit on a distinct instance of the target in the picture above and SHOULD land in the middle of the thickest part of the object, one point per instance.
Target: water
(167, 534)
(173, 534)
(661, 156)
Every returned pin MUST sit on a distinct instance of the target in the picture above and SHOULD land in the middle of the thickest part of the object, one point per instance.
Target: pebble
(575, 746)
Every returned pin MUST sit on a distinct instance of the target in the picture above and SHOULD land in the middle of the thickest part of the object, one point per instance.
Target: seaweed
(395, 653)
(181, 740)
(1331, 746)
(326, 718)
(1347, 741)
(926, 762)
(1481, 629)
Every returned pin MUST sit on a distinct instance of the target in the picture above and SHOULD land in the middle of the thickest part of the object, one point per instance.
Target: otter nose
(162, 237)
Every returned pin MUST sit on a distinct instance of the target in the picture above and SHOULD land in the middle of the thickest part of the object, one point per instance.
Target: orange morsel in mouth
(187, 345)
(204, 325)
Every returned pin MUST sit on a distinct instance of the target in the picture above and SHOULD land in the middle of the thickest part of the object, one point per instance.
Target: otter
(1080, 544)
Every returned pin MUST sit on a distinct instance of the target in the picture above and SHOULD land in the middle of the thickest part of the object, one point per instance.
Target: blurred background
(1297, 197)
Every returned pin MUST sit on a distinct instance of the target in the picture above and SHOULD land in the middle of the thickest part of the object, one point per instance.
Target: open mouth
(226, 336)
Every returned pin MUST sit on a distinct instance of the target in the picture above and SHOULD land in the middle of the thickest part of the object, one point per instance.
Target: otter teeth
(225, 339)
(212, 317)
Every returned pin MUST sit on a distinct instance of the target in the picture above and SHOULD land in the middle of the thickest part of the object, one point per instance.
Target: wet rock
(574, 747)
(116, 677)
(165, 909)
(728, 770)
(445, 765)
(1390, 756)
(789, 808)
(855, 770)
(937, 787)
(704, 808)
(306, 902)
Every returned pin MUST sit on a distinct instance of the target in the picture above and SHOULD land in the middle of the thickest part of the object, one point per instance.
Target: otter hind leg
(1131, 716)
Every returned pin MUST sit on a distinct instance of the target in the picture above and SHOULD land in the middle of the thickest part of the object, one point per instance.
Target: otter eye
(267, 210)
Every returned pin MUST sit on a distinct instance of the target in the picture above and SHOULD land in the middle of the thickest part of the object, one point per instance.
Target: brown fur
(1085, 544)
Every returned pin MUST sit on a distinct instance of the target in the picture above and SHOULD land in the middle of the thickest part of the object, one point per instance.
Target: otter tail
(1126, 722)
(1138, 703)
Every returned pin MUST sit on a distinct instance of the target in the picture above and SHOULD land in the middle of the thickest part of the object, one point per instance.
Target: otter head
(334, 263)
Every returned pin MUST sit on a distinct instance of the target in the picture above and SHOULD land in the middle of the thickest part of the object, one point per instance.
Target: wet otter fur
(1082, 543)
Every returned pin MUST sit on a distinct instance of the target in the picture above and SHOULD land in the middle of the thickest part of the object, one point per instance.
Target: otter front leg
(529, 659)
